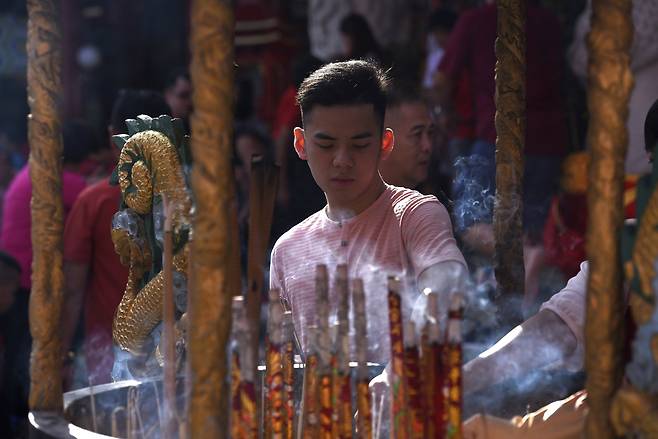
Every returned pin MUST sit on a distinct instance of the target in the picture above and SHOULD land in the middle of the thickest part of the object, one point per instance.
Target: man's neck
(337, 211)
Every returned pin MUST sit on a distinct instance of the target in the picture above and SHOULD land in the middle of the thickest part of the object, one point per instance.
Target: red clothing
(288, 115)
(16, 236)
(470, 51)
(87, 240)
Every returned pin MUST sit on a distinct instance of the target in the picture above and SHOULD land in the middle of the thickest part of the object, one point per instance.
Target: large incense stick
(288, 374)
(454, 368)
(274, 374)
(399, 425)
(212, 73)
(262, 195)
(325, 351)
(415, 393)
(44, 50)
(342, 378)
(362, 390)
(311, 406)
(169, 343)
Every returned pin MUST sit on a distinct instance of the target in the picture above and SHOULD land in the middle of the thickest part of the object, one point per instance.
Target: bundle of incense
(412, 374)
(454, 367)
(342, 379)
(237, 429)
(274, 373)
(399, 422)
(310, 422)
(325, 352)
(364, 421)
(288, 374)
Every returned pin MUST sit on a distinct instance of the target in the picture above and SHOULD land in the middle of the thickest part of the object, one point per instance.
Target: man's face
(343, 145)
(179, 98)
(408, 163)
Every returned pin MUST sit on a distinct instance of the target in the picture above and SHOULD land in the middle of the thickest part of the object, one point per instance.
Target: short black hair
(131, 103)
(651, 128)
(404, 92)
(352, 82)
(79, 140)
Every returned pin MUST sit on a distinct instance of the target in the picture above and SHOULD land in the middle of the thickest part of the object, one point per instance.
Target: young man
(409, 117)
(374, 228)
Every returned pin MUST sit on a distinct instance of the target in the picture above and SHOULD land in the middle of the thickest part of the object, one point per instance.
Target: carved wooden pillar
(212, 25)
(610, 83)
(44, 134)
(510, 143)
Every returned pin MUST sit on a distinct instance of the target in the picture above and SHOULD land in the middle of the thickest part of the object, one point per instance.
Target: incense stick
(115, 422)
(342, 379)
(311, 406)
(288, 374)
(363, 391)
(454, 367)
(92, 402)
(415, 394)
(399, 425)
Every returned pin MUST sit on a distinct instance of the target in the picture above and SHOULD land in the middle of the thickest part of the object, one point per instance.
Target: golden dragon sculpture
(150, 167)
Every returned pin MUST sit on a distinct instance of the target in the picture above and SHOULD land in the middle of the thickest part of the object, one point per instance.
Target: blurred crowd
(440, 54)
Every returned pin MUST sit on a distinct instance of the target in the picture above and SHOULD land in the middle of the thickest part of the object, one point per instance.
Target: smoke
(474, 199)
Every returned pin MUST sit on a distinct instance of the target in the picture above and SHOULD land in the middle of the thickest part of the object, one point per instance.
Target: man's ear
(388, 142)
(299, 142)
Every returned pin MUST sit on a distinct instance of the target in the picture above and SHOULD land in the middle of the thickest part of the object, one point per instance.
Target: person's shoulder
(101, 189)
(300, 233)
(403, 199)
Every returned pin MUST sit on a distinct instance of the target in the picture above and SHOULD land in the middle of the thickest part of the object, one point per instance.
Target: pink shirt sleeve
(569, 305)
(427, 235)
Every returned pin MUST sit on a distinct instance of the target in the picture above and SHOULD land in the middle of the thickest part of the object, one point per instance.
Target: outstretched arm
(539, 341)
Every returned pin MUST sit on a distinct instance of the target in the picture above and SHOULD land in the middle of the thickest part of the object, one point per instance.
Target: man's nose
(426, 143)
(343, 158)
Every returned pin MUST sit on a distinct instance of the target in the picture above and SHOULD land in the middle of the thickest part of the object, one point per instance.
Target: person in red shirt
(93, 273)
(470, 51)
(78, 140)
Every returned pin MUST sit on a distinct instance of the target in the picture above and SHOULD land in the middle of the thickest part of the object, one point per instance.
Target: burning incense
(362, 390)
(342, 378)
(311, 409)
(288, 374)
(454, 368)
(274, 373)
(169, 340)
(325, 353)
(415, 394)
(399, 422)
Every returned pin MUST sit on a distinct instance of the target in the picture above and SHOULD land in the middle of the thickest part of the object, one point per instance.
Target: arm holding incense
(553, 336)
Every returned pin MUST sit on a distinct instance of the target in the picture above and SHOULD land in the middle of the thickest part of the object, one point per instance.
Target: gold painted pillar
(510, 143)
(212, 25)
(609, 87)
(44, 54)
